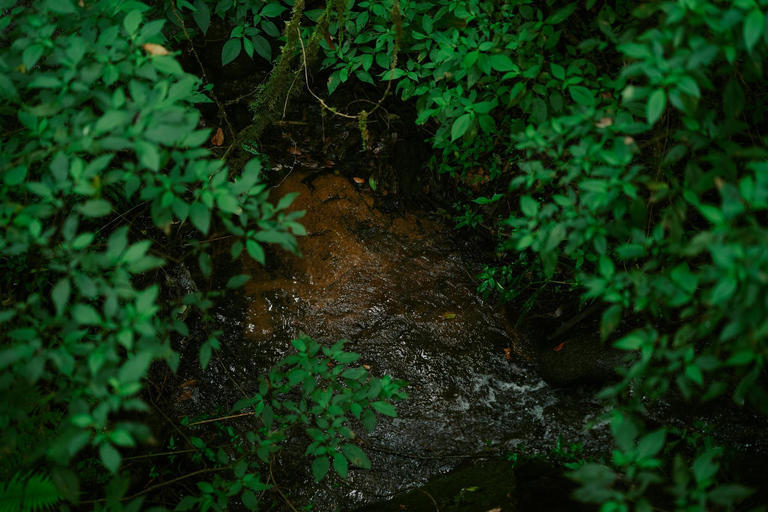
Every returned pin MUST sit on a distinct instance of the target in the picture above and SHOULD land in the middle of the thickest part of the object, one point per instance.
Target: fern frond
(28, 493)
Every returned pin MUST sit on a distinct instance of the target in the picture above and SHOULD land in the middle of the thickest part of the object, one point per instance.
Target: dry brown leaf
(508, 353)
(560, 347)
(155, 49)
(604, 122)
(367, 366)
(184, 396)
(359, 181)
(294, 151)
(189, 384)
(218, 137)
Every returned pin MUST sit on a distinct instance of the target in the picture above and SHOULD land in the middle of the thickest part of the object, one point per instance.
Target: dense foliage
(618, 147)
(106, 188)
(615, 146)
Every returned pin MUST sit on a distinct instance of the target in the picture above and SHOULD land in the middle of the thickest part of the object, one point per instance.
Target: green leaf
(503, 63)
(651, 444)
(657, 102)
(96, 208)
(60, 6)
(249, 500)
(340, 464)
(629, 342)
(131, 22)
(724, 290)
(272, 10)
(558, 71)
(31, 55)
(200, 217)
(385, 408)
(262, 47)
(238, 281)
(582, 95)
(60, 294)
(202, 16)
(562, 14)
(205, 354)
(231, 50)
(528, 206)
(729, 494)
(320, 468)
(148, 155)
(356, 456)
(705, 466)
(753, 28)
(255, 250)
(369, 420)
(460, 126)
(110, 457)
(84, 314)
(135, 368)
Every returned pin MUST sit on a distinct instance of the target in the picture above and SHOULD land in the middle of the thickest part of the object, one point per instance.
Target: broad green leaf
(202, 16)
(753, 28)
(562, 14)
(582, 95)
(528, 206)
(272, 10)
(320, 468)
(200, 216)
(110, 457)
(503, 63)
(131, 22)
(340, 464)
(356, 456)
(558, 71)
(249, 500)
(231, 50)
(460, 126)
(238, 281)
(60, 295)
(657, 102)
(148, 155)
(262, 47)
(385, 408)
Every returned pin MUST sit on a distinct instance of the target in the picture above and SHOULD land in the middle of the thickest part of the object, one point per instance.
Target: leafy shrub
(626, 137)
(105, 183)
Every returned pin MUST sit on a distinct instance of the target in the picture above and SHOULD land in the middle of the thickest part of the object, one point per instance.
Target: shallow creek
(385, 283)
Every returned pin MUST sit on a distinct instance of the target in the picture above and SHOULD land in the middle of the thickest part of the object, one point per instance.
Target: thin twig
(222, 418)
(433, 499)
(158, 486)
(277, 487)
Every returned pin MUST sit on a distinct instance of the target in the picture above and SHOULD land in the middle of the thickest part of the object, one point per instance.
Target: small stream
(401, 289)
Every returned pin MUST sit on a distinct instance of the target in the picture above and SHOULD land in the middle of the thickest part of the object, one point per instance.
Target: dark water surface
(390, 284)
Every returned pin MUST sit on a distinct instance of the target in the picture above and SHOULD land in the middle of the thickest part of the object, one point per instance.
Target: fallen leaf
(560, 347)
(497, 509)
(218, 137)
(449, 316)
(508, 353)
(604, 122)
(359, 181)
(184, 396)
(294, 151)
(155, 49)
(189, 384)
(367, 366)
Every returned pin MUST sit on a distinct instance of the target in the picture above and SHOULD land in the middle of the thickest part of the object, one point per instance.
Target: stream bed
(401, 289)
